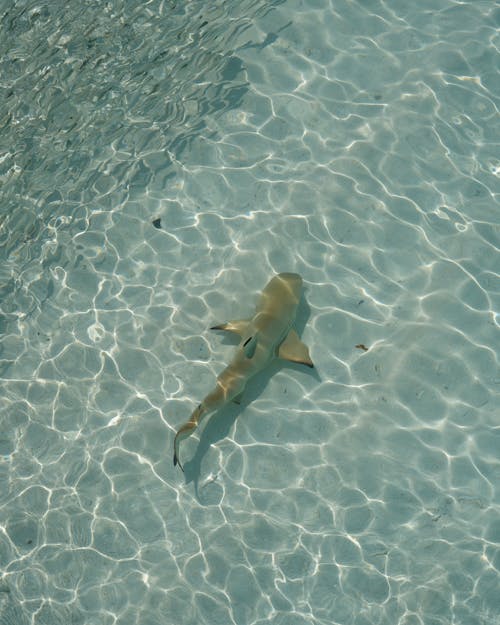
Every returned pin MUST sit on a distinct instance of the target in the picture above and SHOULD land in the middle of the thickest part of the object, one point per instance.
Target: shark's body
(268, 335)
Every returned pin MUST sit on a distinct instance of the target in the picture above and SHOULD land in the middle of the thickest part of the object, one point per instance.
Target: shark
(269, 334)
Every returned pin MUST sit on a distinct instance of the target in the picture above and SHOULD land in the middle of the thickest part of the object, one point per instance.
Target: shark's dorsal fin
(236, 327)
(294, 350)
(249, 346)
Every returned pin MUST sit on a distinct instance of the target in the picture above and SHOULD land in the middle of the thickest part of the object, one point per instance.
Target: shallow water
(354, 143)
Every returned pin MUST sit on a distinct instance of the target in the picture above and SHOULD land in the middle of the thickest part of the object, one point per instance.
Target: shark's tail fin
(186, 430)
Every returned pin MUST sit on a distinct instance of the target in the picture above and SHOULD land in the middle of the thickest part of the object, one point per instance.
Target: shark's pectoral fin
(294, 350)
(236, 327)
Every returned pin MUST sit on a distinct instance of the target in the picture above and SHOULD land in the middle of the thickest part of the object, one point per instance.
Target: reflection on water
(160, 162)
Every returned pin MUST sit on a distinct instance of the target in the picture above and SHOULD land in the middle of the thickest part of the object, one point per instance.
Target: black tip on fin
(176, 462)
(250, 345)
(307, 363)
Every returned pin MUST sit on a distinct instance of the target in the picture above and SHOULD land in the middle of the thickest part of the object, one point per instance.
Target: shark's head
(276, 307)
(281, 295)
(292, 281)
(284, 288)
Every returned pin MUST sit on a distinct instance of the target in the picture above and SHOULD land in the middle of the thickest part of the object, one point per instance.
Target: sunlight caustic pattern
(161, 162)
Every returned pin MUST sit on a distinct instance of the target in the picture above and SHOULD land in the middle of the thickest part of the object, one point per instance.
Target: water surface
(159, 162)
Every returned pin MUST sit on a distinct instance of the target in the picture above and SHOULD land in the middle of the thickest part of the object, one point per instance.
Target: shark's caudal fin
(176, 448)
(186, 430)
(177, 462)
(294, 350)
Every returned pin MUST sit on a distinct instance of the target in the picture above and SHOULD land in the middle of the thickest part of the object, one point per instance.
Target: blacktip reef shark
(267, 335)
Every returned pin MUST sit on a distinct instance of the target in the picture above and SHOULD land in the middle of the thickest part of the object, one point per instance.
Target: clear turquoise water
(357, 143)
